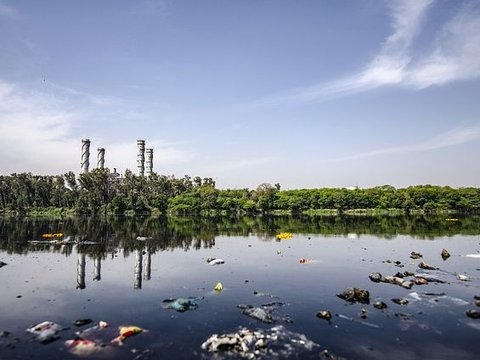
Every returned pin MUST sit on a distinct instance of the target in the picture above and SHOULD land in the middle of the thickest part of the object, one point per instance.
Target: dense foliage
(101, 191)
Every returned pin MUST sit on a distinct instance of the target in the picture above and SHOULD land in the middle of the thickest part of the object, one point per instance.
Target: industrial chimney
(141, 157)
(101, 158)
(85, 155)
(149, 162)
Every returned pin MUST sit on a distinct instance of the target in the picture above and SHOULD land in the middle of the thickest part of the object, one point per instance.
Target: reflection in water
(97, 268)
(81, 271)
(148, 266)
(138, 269)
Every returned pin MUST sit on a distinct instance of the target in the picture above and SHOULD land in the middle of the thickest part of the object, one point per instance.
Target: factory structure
(142, 167)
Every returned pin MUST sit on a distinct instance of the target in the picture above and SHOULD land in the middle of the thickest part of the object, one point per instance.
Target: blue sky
(303, 93)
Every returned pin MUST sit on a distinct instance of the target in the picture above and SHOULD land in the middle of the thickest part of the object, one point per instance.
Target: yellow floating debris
(284, 236)
(57, 235)
(218, 287)
(451, 219)
(126, 332)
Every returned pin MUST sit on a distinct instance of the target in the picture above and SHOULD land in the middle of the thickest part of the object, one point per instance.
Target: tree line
(100, 191)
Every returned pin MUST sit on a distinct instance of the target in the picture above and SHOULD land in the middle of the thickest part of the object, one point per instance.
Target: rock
(415, 255)
(355, 295)
(380, 305)
(420, 281)
(474, 314)
(4, 334)
(425, 266)
(82, 322)
(477, 302)
(400, 301)
(376, 277)
(324, 314)
(445, 254)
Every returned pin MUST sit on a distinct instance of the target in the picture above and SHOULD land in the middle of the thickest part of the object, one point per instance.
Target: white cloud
(455, 56)
(39, 133)
(451, 138)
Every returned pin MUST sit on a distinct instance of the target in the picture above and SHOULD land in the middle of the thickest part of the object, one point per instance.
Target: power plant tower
(101, 158)
(149, 162)
(85, 162)
(141, 157)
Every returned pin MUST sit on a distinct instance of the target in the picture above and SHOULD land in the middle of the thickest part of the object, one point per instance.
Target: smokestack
(85, 162)
(101, 158)
(141, 157)
(149, 162)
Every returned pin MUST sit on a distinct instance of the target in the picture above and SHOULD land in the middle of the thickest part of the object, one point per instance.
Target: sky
(307, 94)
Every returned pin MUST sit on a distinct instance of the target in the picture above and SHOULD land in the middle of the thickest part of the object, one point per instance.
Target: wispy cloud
(451, 138)
(40, 133)
(8, 10)
(454, 56)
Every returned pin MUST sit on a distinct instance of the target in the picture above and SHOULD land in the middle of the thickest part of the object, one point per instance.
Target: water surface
(123, 280)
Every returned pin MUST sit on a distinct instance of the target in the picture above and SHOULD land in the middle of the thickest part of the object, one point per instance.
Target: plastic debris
(445, 254)
(262, 343)
(433, 299)
(49, 236)
(257, 313)
(141, 238)
(324, 314)
(425, 266)
(218, 287)
(429, 278)
(256, 293)
(215, 261)
(90, 348)
(2, 264)
(415, 255)
(463, 277)
(476, 256)
(355, 295)
(46, 331)
(126, 332)
(284, 236)
(182, 304)
(369, 324)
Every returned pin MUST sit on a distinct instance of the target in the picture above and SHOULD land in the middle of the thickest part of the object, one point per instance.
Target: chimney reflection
(97, 268)
(148, 266)
(81, 271)
(138, 269)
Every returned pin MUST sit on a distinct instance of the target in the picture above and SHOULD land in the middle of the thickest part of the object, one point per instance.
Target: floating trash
(474, 314)
(369, 324)
(182, 304)
(46, 331)
(476, 256)
(271, 343)
(463, 277)
(141, 238)
(218, 287)
(215, 261)
(2, 264)
(284, 236)
(90, 348)
(433, 299)
(48, 236)
(126, 332)
(257, 313)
